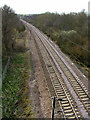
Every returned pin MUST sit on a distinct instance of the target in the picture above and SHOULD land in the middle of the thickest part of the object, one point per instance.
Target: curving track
(63, 82)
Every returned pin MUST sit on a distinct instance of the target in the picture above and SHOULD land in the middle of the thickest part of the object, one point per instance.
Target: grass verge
(15, 89)
(12, 86)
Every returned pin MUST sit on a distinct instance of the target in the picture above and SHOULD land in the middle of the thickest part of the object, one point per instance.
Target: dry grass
(22, 45)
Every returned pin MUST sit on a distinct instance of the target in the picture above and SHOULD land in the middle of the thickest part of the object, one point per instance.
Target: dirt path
(39, 95)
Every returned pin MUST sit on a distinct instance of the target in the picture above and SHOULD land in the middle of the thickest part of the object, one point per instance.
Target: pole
(53, 107)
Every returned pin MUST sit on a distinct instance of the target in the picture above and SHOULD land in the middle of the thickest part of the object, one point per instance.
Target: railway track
(68, 105)
(65, 83)
(77, 85)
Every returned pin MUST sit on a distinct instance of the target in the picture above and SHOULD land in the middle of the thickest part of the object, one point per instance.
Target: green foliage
(11, 86)
(20, 27)
(69, 31)
(10, 24)
(15, 89)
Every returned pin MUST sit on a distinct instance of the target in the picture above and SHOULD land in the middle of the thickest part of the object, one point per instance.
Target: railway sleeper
(73, 80)
(84, 96)
(56, 83)
(79, 90)
(65, 104)
(67, 107)
(62, 94)
(86, 103)
(57, 87)
(77, 87)
(72, 117)
(84, 99)
(68, 111)
(57, 90)
(59, 93)
(70, 114)
(81, 93)
(62, 97)
(75, 84)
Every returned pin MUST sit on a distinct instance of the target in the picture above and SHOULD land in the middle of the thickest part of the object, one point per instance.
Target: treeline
(69, 31)
(11, 25)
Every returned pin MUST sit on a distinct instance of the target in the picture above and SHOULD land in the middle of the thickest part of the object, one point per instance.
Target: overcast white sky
(41, 6)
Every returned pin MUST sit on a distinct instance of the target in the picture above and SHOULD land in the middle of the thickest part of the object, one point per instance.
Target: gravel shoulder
(39, 95)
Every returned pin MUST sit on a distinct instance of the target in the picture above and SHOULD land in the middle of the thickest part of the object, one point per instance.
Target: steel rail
(67, 65)
(84, 113)
(53, 86)
(78, 101)
(85, 102)
(75, 87)
(76, 116)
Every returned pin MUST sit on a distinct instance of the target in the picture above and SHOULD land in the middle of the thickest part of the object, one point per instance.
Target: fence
(5, 69)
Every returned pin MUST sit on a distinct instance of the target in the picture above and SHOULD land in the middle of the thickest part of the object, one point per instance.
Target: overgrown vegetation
(12, 86)
(15, 90)
(69, 31)
(11, 25)
(16, 101)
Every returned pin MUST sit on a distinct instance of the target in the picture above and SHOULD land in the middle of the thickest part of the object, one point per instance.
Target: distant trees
(10, 24)
(69, 31)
